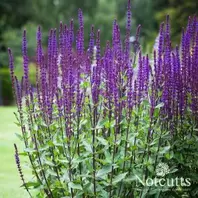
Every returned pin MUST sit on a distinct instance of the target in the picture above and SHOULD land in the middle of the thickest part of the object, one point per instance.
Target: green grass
(9, 178)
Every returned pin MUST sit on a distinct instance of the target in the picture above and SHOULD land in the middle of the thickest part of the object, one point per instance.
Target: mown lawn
(9, 178)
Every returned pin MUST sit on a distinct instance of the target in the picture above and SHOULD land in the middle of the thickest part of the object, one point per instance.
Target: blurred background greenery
(15, 15)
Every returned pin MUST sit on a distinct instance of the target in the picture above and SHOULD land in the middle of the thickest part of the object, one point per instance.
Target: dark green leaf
(119, 178)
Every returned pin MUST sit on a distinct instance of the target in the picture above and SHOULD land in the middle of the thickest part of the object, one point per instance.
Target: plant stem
(78, 147)
(125, 154)
(133, 151)
(26, 146)
(93, 143)
(70, 169)
(53, 160)
(148, 149)
(113, 158)
(42, 169)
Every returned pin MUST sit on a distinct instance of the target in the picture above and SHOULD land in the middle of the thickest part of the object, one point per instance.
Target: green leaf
(17, 123)
(51, 172)
(173, 170)
(169, 155)
(65, 177)
(108, 157)
(29, 150)
(48, 162)
(19, 136)
(50, 143)
(131, 178)
(164, 149)
(35, 127)
(87, 146)
(145, 103)
(75, 186)
(144, 192)
(83, 122)
(23, 154)
(102, 141)
(32, 184)
(102, 123)
(159, 105)
(85, 84)
(119, 178)
(104, 171)
(110, 124)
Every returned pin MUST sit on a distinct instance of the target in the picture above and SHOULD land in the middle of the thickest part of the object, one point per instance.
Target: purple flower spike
(81, 31)
(114, 34)
(128, 24)
(91, 43)
(71, 34)
(18, 94)
(38, 51)
(80, 18)
(137, 35)
(61, 41)
(18, 163)
(98, 49)
(159, 54)
(96, 72)
(130, 89)
(24, 44)
(140, 81)
(11, 67)
(146, 73)
(25, 62)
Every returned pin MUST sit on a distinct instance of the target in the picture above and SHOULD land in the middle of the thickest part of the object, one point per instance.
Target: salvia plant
(101, 119)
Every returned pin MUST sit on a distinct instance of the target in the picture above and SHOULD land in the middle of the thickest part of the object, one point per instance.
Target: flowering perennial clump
(94, 119)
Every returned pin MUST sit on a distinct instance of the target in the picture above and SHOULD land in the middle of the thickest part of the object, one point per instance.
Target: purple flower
(70, 76)
(25, 62)
(159, 54)
(11, 67)
(18, 163)
(91, 43)
(128, 24)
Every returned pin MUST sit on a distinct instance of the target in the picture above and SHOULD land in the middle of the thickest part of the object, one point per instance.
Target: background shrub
(6, 92)
(6, 87)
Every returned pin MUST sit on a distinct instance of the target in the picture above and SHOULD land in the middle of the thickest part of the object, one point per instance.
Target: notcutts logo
(162, 170)
(161, 179)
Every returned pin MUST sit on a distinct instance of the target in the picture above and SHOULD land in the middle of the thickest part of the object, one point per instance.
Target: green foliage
(124, 162)
(150, 13)
(6, 86)
(32, 71)
(179, 11)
